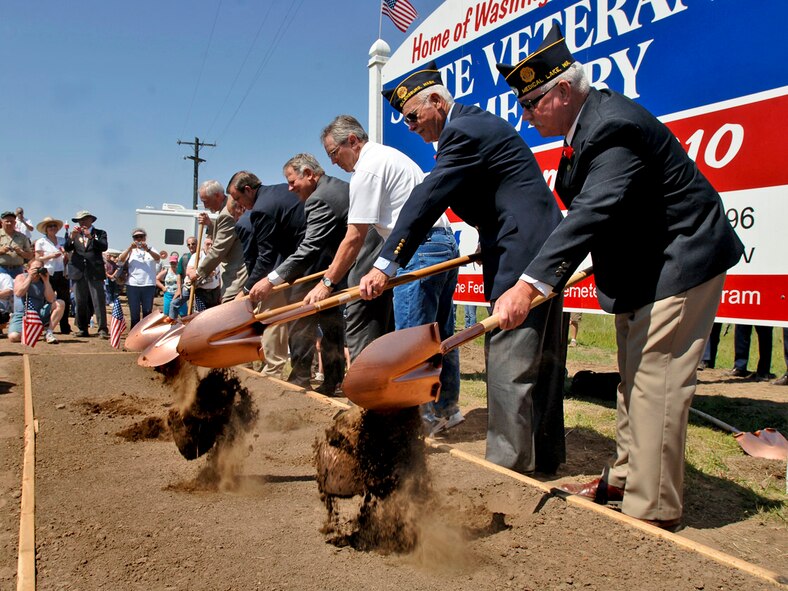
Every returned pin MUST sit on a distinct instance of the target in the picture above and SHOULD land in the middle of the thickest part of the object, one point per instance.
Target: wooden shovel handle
(492, 322)
(298, 310)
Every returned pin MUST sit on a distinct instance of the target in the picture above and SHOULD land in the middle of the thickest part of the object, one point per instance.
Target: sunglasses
(530, 104)
(413, 116)
(51, 225)
(138, 236)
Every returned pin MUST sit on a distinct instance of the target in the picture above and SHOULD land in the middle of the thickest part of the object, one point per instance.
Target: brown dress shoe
(597, 490)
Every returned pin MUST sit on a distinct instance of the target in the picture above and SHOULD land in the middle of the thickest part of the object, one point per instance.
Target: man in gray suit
(326, 200)
(227, 248)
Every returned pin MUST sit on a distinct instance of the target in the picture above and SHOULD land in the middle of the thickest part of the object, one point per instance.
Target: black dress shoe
(328, 390)
(672, 525)
(300, 382)
(764, 377)
(82, 333)
(597, 490)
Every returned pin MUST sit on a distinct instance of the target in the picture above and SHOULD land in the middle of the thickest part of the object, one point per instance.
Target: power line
(202, 67)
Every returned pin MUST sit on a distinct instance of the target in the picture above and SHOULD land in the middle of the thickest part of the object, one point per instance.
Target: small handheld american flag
(117, 324)
(32, 327)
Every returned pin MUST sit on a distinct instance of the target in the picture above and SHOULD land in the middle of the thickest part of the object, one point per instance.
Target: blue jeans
(430, 300)
(140, 298)
(470, 316)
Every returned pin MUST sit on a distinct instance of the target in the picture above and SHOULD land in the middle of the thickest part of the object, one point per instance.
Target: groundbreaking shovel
(165, 348)
(764, 443)
(402, 368)
(147, 330)
(229, 334)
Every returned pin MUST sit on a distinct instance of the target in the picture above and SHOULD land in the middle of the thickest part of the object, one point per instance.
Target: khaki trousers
(274, 339)
(659, 348)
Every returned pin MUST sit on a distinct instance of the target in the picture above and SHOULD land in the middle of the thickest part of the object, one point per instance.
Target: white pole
(378, 56)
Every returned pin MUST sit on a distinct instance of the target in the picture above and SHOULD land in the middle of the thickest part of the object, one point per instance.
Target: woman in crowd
(49, 250)
(141, 283)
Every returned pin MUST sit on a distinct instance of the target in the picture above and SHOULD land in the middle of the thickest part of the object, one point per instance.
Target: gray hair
(342, 127)
(577, 78)
(300, 162)
(438, 89)
(244, 178)
(211, 187)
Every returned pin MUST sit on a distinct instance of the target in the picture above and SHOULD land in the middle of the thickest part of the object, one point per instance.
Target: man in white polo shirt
(382, 181)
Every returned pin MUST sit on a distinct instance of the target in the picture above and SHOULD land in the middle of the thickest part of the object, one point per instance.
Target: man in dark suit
(278, 225)
(488, 176)
(326, 201)
(660, 243)
(87, 272)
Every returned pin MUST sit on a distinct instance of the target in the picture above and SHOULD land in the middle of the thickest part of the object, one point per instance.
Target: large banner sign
(714, 71)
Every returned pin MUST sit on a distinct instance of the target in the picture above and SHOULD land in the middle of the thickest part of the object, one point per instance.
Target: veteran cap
(548, 61)
(416, 82)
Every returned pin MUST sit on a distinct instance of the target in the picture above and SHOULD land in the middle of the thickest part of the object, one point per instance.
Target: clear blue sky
(96, 94)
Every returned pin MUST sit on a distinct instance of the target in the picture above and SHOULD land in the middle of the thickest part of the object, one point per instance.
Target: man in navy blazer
(278, 224)
(660, 243)
(488, 176)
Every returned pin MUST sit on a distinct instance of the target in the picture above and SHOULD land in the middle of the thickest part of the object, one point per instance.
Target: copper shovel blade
(213, 338)
(764, 443)
(164, 349)
(398, 370)
(146, 331)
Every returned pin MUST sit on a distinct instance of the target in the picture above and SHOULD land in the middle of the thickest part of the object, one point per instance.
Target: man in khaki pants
(661, 245)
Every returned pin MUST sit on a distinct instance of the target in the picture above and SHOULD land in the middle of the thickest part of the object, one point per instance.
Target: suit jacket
(228, 249)
(326, 225)
(278, 225)
(489, 177)
(87, 257)
(654, 225)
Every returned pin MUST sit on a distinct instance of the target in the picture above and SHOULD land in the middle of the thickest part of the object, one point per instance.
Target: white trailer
(169, 227)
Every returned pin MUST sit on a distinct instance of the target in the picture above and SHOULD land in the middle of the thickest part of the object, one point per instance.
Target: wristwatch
(327, 282)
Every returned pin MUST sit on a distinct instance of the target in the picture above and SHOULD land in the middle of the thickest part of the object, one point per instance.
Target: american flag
(32, 327)
(401, 13)
(117, 325)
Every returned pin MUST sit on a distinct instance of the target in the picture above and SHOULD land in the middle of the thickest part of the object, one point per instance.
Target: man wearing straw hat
(661, 244)
(86, 269)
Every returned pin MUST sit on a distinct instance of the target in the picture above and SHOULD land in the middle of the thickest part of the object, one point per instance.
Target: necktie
(568, 151)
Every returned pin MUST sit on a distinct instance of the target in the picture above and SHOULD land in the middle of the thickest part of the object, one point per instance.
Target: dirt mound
(148, 428)
(113, 407)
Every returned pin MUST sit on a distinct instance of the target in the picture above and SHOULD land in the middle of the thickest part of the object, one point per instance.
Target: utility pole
(197, 145)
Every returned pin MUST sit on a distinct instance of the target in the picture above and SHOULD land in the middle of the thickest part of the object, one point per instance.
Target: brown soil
(120, 508)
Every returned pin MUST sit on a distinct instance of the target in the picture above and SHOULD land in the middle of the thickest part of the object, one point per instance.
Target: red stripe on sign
(755, 297)
(740, 147)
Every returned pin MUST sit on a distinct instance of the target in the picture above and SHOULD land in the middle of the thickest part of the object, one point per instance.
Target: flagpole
(380, 19)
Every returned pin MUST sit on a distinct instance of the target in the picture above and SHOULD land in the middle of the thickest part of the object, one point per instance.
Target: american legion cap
(550, 59)
(416, 82)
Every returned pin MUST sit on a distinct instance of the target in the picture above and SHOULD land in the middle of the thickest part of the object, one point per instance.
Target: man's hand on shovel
(373, 284)
(514, 304)
(260, 290)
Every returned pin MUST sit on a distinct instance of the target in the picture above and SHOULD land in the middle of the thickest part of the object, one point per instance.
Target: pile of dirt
(114, 407)
(378, 459)
(148, 428)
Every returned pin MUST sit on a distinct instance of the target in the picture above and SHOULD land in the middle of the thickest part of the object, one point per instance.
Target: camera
(43, 271)
(139, 244)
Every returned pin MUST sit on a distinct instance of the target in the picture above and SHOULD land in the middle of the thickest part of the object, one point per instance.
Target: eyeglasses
(138, 236)
(413, 116)
(51, 225)
(530, 104)
(333, 152)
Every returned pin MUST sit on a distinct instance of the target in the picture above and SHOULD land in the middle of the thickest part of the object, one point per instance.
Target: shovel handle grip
(492, 322)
